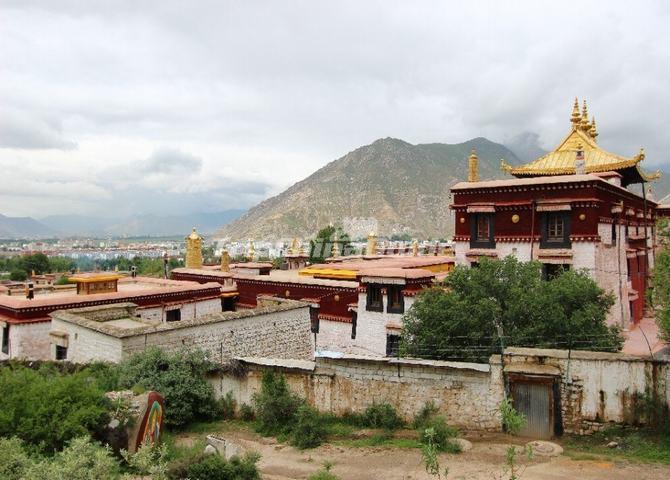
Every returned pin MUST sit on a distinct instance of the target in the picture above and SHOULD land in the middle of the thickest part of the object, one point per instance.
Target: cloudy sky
(114, 108)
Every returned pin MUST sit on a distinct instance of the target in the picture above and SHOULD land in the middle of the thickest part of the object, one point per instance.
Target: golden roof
(194, 235)
(582, 137)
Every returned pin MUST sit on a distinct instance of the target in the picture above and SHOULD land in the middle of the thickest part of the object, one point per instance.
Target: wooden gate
(534, 399)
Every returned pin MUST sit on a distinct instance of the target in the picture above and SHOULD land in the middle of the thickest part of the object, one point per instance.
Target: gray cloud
(20, 130)
(233, 101)
(172, 161)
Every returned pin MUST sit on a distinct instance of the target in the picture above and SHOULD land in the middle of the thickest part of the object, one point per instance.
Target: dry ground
(484, 461)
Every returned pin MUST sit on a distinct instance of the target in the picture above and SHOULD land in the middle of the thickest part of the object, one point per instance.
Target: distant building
(568, 210)
(276, 328)
(25, 322)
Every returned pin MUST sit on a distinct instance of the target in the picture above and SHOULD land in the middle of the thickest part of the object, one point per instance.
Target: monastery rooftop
(128, 287)
(119, 320)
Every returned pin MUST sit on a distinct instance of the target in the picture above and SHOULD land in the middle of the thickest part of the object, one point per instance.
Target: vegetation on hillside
(478, 311)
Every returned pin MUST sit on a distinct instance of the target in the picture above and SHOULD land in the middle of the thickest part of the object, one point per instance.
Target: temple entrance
(533, 397)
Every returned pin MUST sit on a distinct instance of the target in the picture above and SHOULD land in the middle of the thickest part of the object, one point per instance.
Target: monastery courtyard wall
(591, 389)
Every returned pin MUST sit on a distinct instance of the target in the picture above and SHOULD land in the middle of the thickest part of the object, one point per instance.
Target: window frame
(5, 339)
(398, 307)
(390, 352)
(475, 240)
(60, 352)
(169, 313)
(376, 305)
(565, 241)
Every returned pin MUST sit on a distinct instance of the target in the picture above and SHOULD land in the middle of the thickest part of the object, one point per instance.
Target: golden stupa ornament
(335, 252)
(372, 244)
(515, 218)
(295, 249)
(225, 261)
(576, 116)
(473, 167)
(415, 248)
(193, 250)
(252, 251)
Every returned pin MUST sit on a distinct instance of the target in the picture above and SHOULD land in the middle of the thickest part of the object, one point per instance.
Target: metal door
(535, 402)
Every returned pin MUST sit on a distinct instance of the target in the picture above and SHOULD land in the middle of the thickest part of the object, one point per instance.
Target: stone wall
(280, 334)
(86, 345)
(467, 394)
(28, 341)
(596, 388)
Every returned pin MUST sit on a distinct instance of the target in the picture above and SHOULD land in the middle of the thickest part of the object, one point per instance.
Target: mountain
(139, 225)
(390, 186)
(526, 146)
(23, 227)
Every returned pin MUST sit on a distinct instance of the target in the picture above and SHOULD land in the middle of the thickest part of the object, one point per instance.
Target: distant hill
(526, 146)
(404, 187)
(23, 227)
(138, 225)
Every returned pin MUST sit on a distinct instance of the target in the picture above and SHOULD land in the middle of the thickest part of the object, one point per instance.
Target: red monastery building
(567, 209)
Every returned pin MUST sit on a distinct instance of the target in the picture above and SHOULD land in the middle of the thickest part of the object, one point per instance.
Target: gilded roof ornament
(576, 117)
(562, 160)
(473, 167)
(593, 131)
(586, 126)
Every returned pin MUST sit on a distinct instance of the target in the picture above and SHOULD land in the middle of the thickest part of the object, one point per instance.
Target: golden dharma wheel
(515, 218)
(582, 216)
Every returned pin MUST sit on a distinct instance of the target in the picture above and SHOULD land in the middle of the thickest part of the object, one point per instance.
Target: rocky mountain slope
(391, 184)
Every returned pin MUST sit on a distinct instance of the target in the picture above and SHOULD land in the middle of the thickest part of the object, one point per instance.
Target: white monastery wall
(86, 345)
(29, 341)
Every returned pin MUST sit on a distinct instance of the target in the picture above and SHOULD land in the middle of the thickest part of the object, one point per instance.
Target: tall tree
(321, 247)
(661, 280)
(505, 302)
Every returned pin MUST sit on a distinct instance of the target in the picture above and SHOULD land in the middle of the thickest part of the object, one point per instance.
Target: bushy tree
(47, 409)
(275, 405)
(661, 280)
(37, 262)
(321, 247)
(180, 377)
(215, 467)
(506, 302)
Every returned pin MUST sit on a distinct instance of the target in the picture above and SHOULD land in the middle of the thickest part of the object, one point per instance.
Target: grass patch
(384, 439)
(634, 444)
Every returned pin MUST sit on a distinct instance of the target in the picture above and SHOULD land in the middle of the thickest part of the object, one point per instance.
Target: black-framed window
(482, 230)
(314, 319)
(61, 352)
(392, 344)
(354, 324)
(375, 299)
(555, 230)
(396, 300)
(614, 229)
(553, 270)
(228, 304)
(5, 339)
(173, 315)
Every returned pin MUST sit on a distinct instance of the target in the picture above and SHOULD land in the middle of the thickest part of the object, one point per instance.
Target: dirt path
(484, 461)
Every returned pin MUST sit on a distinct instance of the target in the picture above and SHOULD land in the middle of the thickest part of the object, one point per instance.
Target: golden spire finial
(415, 248)
(225, 260)
(593, 131)
(585, 118)
(193, 250)
(473, 167)
(576, 117)
(372, 244)
(294, 247)
(335, 252)
(252, 251)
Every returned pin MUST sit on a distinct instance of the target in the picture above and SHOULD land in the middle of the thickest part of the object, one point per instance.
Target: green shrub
(512, 420)
(18, 275)
(428, 411)
(48, 410)
(82, 459)
(310, 429)
(215, 467)
(247, 412)
(180, 377)
(442, 435)
(227, 406)
(382, 415)
(275, 405)
(324, 473)
(14, 460)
